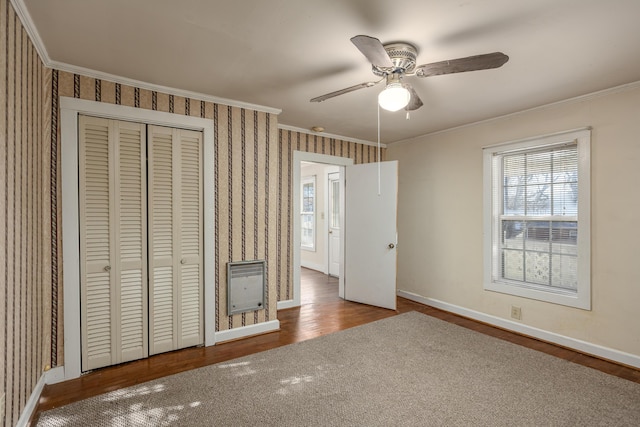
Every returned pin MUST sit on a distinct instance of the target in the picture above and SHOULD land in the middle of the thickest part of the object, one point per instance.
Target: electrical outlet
(516, 312)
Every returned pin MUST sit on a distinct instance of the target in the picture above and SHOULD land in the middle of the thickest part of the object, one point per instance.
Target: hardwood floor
(322, 312)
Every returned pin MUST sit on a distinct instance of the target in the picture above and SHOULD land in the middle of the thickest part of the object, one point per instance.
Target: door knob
(330, 231)
(107, 268)
(391, 246)
(183, 261)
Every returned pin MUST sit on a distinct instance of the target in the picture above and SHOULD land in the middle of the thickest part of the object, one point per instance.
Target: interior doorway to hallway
(320, 217)
(371, 243)
(298, 216)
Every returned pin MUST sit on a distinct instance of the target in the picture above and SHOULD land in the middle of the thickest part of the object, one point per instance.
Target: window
(308, 217)
(537, 228)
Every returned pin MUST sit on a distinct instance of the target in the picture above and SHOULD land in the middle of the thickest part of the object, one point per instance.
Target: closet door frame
(70, 109)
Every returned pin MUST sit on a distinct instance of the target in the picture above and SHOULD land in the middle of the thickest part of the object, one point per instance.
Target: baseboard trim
(30, 407)
(572, 343)
(55, 375)
(287, 304)
(247, 331)
(313, 266)
(52, 376)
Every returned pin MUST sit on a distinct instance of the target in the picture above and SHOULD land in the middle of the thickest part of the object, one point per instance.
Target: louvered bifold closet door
(113, 242)
(175, 239)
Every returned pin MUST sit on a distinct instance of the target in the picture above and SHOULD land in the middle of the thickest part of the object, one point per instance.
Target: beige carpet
(407, 370)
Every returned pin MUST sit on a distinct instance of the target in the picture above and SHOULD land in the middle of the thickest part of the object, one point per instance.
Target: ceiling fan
(394, 61)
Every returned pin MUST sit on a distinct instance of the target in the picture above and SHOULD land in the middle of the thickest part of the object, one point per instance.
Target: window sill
(567, 298)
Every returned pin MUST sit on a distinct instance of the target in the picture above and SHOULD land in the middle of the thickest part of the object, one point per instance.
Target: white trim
(298, 158)
(327, 258)
(70, 240)
(23, 13)
(54, 375)
(247, 331)
(122, 112)
(30, 28)
(491, 233)
(329, 135)
(327, 220)
(550, 139)
(209, 186)
(313, 266)
(69, 110)
(575, 99)
(158, 88)
(563, 340)
(32, 402)
(282, 305)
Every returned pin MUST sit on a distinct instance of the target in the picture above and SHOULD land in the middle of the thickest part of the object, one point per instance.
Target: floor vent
(245, 286)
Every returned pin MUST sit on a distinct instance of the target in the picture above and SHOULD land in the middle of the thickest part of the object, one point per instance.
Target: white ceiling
(281, 53)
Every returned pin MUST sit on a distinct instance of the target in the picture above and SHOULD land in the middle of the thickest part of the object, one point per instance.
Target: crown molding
(575, 99)
(23, 13)
(61, 66)
(32, 31)
(329, 135)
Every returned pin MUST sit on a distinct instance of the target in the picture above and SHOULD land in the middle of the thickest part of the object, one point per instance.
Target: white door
(370, 231)
(175, 239)
(334, 224)
(113, 242)
(141, 258)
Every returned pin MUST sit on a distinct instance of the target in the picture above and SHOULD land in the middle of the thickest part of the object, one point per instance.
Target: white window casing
(537, 218)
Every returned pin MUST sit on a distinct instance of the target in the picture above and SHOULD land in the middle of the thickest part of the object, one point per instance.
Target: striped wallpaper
(245, 158)
(253, 204)
(290, 141)
(253, 184)
(25, 315)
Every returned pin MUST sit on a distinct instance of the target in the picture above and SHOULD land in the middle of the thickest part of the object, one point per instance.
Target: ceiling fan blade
(414, 102)
(460, 65)
(343, 91)
(373, 50)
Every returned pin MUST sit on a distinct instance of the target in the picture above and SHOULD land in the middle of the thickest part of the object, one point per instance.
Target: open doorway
(320, 214)
(372, 238)
(320, 217)
(337, 162)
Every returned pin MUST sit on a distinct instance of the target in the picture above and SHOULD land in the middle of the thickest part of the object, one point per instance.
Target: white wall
(440, 220)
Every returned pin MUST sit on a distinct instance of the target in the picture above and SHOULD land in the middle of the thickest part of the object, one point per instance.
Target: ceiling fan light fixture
(394, 97)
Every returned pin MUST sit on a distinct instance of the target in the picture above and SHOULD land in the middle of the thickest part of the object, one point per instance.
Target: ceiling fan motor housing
(403, 56)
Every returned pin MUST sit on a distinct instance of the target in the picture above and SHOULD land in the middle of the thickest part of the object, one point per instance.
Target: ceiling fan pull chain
(379, 153)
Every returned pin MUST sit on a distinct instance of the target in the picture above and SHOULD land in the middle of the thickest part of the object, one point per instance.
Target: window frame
(311, 179)
(581, 298)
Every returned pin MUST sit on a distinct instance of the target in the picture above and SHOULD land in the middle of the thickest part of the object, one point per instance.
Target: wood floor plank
(322, 312)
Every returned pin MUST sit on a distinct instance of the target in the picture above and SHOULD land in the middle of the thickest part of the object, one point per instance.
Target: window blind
(535, 206)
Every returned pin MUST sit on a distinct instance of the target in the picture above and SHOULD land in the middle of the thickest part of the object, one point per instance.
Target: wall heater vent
(245, 286)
